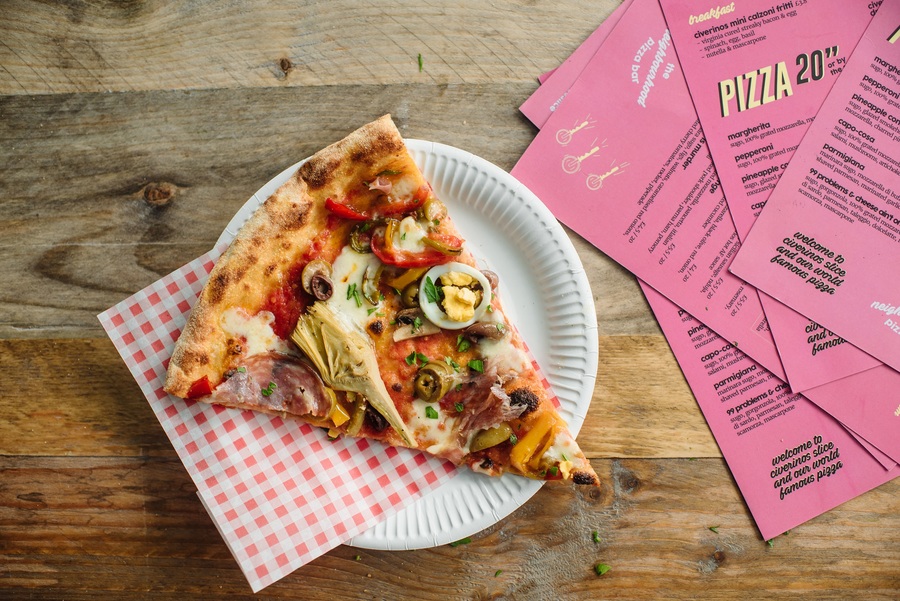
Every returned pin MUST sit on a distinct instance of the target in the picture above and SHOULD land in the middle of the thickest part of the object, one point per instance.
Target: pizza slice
(349, 301)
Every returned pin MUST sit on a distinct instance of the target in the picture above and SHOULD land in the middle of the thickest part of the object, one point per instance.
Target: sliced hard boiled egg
(431, 283)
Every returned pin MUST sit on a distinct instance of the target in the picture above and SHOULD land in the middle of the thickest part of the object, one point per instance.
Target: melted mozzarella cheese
(409, 235)
(255, 330)
(435, 435)
(502, 356)
(346, 272)
(403, 188)
(563, 451)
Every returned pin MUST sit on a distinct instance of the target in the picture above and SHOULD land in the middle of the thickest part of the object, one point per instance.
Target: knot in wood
(628, 481)
(159, 194)
(719, 556)
(285, 65)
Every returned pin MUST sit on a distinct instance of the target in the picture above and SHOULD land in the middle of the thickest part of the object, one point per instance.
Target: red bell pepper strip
(342, 210)
(409, 205)
(383, 247)
(398, 207)
(199, 388)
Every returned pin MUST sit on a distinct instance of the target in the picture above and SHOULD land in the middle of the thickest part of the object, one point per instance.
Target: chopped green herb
(564, 457)
(490, 309)
(372, 310)
(714, 529)
(242, 370)
(431, 413)
(553, 471)
(413, 357)
(459, 407)
(601, 569)
(462, 344)
(451, 363)
(513, 439)
(595, 536)
(501, 328)
(268, 390)
(497, 573)
(403, 236)
(436, 222)
(353, 292)
(459, 387)
(398, 291)
(358, 558)
(417, 324)
(432, 292)
(477, 365)
(462, 541)
(420, 62)
(770, 542)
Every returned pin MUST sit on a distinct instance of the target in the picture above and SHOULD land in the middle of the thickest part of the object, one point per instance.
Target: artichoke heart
(345, 358)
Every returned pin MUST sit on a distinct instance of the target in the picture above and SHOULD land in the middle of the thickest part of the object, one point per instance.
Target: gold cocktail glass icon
(564, 136)
(595, 181)
(572, 163)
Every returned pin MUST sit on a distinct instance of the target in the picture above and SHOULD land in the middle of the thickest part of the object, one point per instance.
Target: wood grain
(137, 525)
(82, 46)
(89, 405)
(78, 399)
(130, 133)
(105, 193)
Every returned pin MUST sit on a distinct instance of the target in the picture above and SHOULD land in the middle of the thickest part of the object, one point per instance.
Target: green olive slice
(433, 210)
(410, 296)
(371, 277)
(433, 381)
(490, 437)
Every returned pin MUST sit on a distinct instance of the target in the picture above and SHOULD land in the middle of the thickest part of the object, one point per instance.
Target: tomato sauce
(286, 304)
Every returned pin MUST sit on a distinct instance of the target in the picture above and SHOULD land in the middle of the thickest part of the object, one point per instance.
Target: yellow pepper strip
(539, 437)
(407, 277)
(535, 462)
(339, 415)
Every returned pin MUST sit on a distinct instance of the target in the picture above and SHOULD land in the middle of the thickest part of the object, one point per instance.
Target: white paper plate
(545, 292)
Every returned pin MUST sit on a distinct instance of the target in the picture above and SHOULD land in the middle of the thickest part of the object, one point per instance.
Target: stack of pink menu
(742, 160)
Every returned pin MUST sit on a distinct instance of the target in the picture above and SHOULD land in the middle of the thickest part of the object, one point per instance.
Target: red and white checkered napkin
(281, 493)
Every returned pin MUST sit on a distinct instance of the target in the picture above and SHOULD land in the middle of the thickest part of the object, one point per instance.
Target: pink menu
(830, 233)
(750, 411)
(859, 402)
(624, 163)
(757, 85)
(790, 459)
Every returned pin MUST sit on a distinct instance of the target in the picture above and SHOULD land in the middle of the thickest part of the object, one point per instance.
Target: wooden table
(132, 131)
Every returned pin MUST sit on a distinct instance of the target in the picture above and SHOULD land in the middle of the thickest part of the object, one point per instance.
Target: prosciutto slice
(274, 383)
